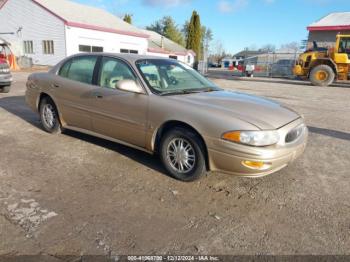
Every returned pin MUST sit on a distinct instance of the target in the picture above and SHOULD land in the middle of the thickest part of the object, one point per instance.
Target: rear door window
(79, 69)
(65, 68)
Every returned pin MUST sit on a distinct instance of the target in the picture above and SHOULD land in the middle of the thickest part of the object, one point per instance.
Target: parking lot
(73, 194)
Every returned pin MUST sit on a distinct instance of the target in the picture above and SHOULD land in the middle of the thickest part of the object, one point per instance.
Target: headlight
(253, 138)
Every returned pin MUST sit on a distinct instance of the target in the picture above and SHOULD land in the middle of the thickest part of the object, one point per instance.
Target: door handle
(98, 95)
(55, 85)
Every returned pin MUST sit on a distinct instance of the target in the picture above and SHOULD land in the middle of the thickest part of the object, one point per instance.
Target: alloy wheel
(181, 155)
(49, 115)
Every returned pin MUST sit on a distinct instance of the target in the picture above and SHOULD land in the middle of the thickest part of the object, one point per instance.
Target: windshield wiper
(202, 90)
(188, 91)
(177, 92)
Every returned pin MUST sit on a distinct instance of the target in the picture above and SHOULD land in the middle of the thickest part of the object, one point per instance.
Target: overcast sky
(236, 23)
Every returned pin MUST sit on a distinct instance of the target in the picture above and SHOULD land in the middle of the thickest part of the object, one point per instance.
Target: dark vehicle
(5, 76)
(214, 65)
(283, 67)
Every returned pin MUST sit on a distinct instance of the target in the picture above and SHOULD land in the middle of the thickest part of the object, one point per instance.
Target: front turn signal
(234, 136)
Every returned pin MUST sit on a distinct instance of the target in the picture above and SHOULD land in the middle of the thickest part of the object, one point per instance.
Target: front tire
(49, 116)
(182, 154)
(322, 75)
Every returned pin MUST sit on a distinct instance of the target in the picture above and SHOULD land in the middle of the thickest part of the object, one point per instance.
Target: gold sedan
(162, 106)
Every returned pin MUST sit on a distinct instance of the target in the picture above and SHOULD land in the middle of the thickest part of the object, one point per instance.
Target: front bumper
(5, 79)
(228, 157)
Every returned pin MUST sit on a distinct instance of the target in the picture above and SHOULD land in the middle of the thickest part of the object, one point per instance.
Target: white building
(49, 30)
(159, 45)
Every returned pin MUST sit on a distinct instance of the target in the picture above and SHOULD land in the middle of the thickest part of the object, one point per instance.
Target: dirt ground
(73, 194)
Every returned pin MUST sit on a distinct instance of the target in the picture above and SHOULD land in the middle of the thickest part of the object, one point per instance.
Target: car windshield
(166, 77)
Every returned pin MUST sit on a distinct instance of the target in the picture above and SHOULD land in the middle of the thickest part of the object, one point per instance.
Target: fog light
(257, 165)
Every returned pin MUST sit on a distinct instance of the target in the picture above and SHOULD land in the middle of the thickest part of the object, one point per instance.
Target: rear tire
(5, 89)
(182, 154)
(49, 116)
(322, 75)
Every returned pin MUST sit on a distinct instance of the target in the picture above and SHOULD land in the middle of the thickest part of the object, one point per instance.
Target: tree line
(197, 37)
(192, 34)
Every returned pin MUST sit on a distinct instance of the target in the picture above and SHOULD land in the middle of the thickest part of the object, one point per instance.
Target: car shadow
(151, 161)
(330, 133)
(16, 105)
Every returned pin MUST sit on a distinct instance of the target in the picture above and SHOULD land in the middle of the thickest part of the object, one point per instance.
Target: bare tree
(292, 45)
(268, 48)
(252, 47)
(218, 52)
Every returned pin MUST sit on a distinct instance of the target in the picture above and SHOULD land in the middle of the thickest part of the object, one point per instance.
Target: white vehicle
(249, 70)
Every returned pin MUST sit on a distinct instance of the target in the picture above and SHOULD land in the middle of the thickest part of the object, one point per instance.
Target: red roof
(332, 22)
(328, 28)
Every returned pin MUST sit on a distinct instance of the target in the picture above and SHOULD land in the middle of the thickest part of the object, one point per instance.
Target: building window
(85, 48)
(128, 51)
(28, 47)
(97, 49)
(173, 57)
(188, 59)
(48, 47)
(89, 48)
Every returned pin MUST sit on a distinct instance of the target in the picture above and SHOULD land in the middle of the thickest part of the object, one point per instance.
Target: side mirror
(129, 86)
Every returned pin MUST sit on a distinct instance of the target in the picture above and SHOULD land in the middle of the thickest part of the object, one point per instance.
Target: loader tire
(322, 75)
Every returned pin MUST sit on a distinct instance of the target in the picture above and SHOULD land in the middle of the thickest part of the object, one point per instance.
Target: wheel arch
(176, 123)
(40, 98)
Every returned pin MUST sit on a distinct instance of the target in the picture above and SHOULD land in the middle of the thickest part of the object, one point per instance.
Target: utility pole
(205, 57)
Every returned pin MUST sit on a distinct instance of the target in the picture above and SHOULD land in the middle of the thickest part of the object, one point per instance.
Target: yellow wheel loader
(323, 66)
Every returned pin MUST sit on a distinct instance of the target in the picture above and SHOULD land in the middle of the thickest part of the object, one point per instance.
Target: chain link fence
(277, 64)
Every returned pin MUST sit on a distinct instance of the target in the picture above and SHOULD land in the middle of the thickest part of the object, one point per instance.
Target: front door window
(114, 70)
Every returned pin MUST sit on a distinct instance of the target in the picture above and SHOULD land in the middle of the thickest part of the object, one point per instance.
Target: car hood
(260, 112)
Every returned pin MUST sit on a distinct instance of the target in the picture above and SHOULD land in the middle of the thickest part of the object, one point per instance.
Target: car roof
(129, 57)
